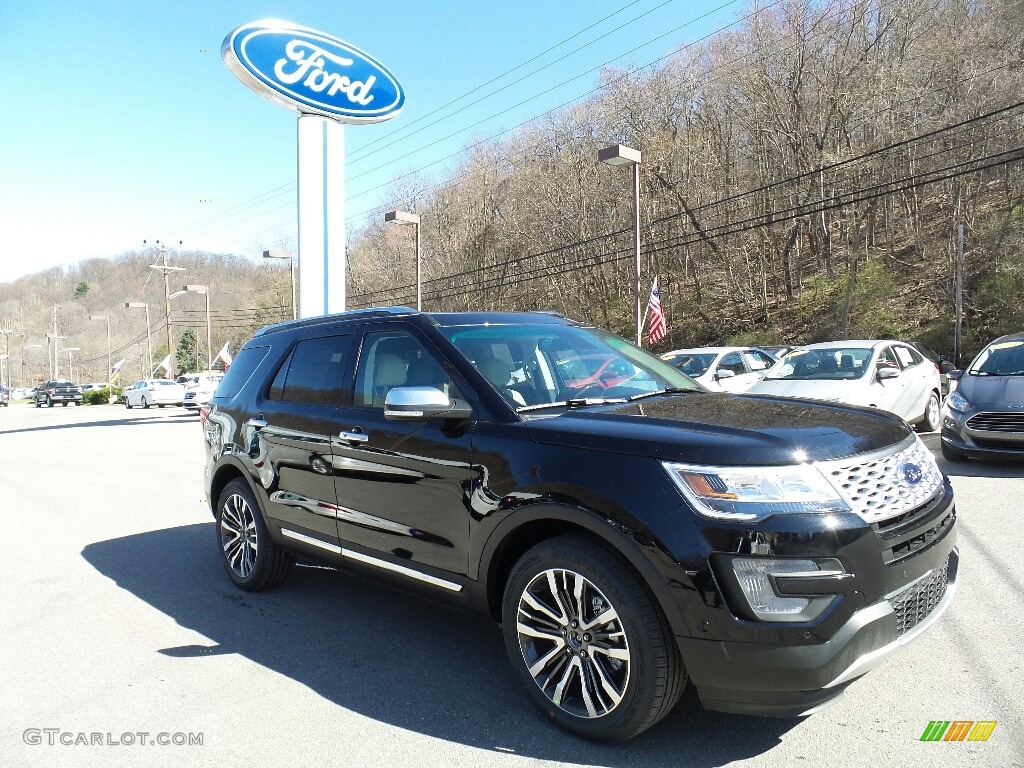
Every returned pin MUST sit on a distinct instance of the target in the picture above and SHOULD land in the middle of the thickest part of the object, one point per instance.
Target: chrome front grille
(881, 486)
(997, 422)
(915, 603)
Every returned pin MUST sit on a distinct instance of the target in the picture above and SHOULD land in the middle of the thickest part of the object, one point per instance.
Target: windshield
(537, 365)
(692, 364)
(1004, 358)
(834, 363)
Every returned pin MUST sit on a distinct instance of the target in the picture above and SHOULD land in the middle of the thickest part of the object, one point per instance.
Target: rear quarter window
(241, 370)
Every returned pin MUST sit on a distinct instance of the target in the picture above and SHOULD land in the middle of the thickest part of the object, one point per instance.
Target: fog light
(754, 575)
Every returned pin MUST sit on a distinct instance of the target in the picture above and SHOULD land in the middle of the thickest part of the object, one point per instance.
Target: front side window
(392, 359)
(732, 362)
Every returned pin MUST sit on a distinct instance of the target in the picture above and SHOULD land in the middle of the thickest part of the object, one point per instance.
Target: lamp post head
(99, 317)
(401, 217)
(275, 253)
(135, 305)
(195, 288)
(618, 154)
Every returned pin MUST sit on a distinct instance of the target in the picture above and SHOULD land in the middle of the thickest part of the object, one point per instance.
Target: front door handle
(256, 423)
(354, 437)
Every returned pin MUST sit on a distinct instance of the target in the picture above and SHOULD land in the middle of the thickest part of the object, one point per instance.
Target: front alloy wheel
(589, 642)
(572, 640)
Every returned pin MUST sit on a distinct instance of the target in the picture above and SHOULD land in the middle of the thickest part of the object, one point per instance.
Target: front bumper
(796, 680)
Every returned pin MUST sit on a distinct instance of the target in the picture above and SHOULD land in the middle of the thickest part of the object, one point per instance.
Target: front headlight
(754, 493)
(957, 402)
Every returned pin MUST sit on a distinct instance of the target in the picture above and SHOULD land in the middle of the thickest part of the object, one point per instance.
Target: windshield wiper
(666, 391)
(572, 403)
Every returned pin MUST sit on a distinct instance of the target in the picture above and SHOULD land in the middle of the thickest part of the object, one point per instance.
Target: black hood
(714, 428)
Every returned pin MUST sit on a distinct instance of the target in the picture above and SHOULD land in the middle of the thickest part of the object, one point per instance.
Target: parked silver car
(884, 374)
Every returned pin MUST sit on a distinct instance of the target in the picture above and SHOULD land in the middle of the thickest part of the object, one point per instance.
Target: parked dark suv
(628, 535)
(58, 391)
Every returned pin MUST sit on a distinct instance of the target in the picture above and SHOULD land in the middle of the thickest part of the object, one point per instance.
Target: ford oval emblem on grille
(911, 473)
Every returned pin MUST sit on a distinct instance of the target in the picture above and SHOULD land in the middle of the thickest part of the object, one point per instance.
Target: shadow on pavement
(393, 657)
(85, 424)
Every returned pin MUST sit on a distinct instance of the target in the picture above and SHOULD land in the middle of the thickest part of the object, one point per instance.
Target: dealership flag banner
(658, 329)
(225, 355)
(115, 371)
(166, 364)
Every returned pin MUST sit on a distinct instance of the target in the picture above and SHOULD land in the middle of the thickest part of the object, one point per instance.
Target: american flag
(658, 329)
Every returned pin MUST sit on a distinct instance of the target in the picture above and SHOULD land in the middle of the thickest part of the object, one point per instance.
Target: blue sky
(121, 123)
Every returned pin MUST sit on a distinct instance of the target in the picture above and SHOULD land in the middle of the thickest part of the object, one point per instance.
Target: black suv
(629, 533)
(58, 391)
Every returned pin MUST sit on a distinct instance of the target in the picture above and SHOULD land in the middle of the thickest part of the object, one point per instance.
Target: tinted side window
(242, 367)
(314, 371)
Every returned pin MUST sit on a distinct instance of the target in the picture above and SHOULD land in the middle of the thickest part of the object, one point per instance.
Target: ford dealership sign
(312, 72)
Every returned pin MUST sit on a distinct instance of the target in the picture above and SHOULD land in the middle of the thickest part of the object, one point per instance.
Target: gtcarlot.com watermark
(52, 737)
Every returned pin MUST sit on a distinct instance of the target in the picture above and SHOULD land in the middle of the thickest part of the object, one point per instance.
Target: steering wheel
(587, 390)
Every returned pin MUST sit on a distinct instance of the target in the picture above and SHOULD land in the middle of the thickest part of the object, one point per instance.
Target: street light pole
(273, 253)
(617, 154)
(110, 388)
(149, 333)
(404, 217)
(71, 360)
(23, 348)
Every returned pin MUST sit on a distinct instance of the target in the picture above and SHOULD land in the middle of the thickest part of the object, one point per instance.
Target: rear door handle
(354, 437)
(256, 423)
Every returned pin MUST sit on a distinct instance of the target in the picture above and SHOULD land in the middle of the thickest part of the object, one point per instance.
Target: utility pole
(166, 270)
(958, 288)
(6, 333)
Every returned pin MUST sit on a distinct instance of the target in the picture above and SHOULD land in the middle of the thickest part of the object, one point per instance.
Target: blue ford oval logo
(911, 473)
(312, 72)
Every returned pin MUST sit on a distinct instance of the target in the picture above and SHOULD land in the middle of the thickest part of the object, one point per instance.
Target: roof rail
(353, 314)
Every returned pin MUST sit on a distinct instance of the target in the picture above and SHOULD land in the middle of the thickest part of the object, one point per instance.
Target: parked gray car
(984, 416)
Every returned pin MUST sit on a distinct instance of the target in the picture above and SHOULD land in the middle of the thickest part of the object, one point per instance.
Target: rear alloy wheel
(251, 559)
(145, 402)
(932, 419)
(593, 649)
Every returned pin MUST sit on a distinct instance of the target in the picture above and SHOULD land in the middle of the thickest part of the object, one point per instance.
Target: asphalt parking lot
(118, 621)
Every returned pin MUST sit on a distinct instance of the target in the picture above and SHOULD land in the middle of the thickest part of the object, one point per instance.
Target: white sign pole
(321, 199)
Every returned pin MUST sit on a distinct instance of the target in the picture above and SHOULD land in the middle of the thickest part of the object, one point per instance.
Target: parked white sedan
(200, 392)
(159, 392)
(888, 375)
(722, 369)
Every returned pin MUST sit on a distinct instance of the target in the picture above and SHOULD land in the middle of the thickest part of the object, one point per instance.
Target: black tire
(650, 675)
(64, 404)
(951, 454)
(127, 404)
(932, 420)
(38, 404)
(49, 402)
(256, 563)
(145, 402)
(159, 405)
